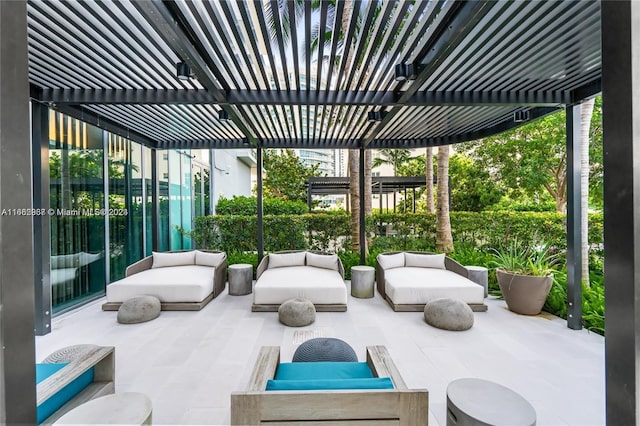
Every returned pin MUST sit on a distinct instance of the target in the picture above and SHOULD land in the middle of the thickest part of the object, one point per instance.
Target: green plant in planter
(538, 261)
(525, 276)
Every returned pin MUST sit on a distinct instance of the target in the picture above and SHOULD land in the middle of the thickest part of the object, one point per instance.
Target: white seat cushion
(320, 285)
(190, 283)
(410, 285)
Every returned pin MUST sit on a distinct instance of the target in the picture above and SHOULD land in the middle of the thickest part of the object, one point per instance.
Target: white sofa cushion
(412, 285)
(280, 260)
(326, 261)
(320, 285)
(390, 261)
(163, 260)
(191, 283)
(424, 260)
(209, 259)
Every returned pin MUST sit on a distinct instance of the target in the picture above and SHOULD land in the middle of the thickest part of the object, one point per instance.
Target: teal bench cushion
(326, 375)
(330, 384)
(64, 395)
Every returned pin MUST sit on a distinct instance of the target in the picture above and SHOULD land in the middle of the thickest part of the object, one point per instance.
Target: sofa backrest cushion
(280, 260)
(435, 261)
(326, 261)
(162, 260)
(209, 259)
(390, 261)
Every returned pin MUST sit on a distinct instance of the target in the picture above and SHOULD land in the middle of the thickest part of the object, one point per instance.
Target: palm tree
(444, 239)
(586, 113)
(393, 157)
(429, 179)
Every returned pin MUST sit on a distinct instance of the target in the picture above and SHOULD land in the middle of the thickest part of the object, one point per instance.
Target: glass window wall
(76, 172)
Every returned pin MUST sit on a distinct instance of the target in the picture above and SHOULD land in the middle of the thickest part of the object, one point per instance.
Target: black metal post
(17, 301)
(574, 219)
(41, 223)
(621, 147)
(309, 187)
(155, 200)
(259, 216)
(363, 240)
(413, 190)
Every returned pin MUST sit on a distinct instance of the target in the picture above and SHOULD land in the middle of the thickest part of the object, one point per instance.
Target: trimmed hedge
(325, 232)
(331, 232)
(247, 206)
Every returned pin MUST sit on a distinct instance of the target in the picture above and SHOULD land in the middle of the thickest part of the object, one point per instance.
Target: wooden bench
(101, 359)
(398, 406)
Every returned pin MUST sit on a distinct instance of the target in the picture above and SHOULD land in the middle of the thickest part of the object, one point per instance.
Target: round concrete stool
(68, 354)
(240, 279)
(139, 309)
(324, 349)
(127, 408)
(481, 402)
(297, 312)
(479, 275)
(362, 279)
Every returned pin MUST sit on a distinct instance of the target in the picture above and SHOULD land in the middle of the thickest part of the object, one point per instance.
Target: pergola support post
(41, 223)
(259, 215)
(574, 218)
(17, 301)
(621, 147)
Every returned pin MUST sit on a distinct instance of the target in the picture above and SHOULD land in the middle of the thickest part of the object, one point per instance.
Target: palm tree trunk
(354, 198)
(429, 179)
(585, 124)
(368, 160)
(444, 239)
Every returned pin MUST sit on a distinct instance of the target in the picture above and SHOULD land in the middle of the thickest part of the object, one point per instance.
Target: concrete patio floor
(188, 363)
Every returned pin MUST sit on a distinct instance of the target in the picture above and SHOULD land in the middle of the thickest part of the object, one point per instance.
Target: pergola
(379, 185)
(345, 74)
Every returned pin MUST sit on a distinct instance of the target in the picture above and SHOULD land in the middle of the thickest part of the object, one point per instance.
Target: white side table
(126, 408)
(479, 275)
(362, 279)
(240, 279)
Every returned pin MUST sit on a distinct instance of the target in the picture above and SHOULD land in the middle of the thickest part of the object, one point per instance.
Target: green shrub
(246, 206)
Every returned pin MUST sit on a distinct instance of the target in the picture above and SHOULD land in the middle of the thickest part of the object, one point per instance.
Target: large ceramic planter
(524, 294)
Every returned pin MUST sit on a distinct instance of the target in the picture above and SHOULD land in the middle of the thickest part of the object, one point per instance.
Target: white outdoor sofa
(181, 280)
(409, 280)
(318, 277)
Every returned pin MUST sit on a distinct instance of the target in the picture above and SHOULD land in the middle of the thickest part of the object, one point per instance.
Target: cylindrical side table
(474, 401)
(362, 279)
(479, 275)
(240, 279)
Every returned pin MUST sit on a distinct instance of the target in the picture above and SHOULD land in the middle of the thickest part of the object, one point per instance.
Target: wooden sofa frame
(324, 307)
(102, 359)
(400, 406)
(219, 283)
(449, 264)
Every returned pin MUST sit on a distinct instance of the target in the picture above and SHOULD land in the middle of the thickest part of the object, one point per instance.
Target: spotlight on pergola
(223, 115)
(375, 116)
(405, 72)
(183, 71)
(521, 116)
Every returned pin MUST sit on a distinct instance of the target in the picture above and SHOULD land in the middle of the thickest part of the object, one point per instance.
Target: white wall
(231, 176)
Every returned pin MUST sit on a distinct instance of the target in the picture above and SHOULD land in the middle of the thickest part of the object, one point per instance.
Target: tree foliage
(531, 160)
(472, 186)
(286, 175)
